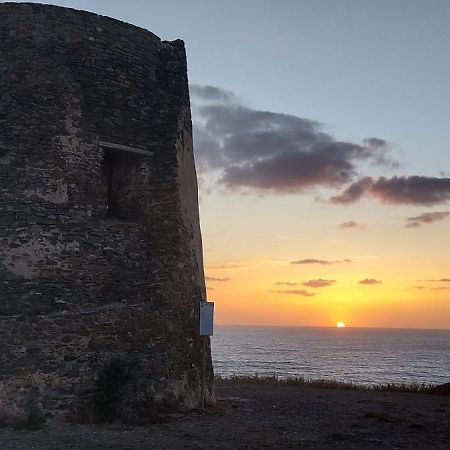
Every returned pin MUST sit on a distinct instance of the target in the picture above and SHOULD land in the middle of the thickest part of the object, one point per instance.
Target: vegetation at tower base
(100, 245)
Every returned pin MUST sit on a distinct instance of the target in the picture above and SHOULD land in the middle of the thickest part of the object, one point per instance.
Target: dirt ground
(269, 416)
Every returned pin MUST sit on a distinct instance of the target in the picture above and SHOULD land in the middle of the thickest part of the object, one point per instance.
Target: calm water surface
(361, 355)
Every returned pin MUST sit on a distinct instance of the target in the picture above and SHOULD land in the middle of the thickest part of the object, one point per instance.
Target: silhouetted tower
(100, 245)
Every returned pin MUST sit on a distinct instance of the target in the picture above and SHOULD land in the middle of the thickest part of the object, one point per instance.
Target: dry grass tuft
(327, 384)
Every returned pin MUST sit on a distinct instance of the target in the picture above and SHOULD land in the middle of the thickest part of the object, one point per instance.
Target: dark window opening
(123, 185)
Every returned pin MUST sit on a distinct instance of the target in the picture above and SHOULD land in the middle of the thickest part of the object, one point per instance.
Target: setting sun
(340, 325)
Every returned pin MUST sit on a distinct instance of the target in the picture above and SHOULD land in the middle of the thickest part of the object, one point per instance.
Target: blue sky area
(361, 67)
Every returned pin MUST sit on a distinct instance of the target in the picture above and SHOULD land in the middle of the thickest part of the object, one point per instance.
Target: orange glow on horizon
(253, 263)
(264, 292)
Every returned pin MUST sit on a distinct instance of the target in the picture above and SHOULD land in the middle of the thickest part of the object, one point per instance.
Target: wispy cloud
(426, 218)
(264, 151)
(300, 292)
(209, 279)
(409, 190)
(227, 266)
(370, 281)
(413, 225)
(351, 224)
(242, 264)
(322, 262)
(435, 288)
(319, 283)
(230, 265)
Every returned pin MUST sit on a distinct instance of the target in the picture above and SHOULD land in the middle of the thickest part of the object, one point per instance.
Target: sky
(322, 140)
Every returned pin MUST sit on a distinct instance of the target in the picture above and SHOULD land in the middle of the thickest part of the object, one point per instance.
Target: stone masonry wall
(100, 248)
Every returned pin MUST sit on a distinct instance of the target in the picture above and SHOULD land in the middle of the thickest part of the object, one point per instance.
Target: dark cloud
(370, 281)
(440, 280)
(351, 224)
(375, 142)
(212, 93)
(216, 279)
(210, 288)
(300, 292)
(286, 283)
(427, 218)
(267, 151)
(248, 149)
(322, 262)
(319, 283)
(411, 190)
(354, 192)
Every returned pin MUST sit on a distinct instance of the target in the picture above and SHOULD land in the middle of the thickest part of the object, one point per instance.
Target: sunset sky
(322, 139)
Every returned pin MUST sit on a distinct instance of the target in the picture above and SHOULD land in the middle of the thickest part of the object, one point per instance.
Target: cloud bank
(247, 149)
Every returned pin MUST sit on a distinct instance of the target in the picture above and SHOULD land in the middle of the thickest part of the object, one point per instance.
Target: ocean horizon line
(220, 325)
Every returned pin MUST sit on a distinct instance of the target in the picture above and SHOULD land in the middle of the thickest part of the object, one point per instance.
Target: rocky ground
(269, 416)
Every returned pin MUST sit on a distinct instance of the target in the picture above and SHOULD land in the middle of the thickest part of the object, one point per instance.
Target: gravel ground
(269, 416)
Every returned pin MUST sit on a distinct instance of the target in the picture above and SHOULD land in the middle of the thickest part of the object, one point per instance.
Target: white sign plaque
(206, 318)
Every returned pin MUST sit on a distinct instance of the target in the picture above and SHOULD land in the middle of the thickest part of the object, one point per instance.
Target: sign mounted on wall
(206, 318)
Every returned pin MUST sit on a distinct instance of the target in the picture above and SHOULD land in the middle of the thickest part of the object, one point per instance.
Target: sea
(365, 356)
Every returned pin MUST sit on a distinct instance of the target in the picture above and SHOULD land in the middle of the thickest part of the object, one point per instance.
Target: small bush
(34, 420)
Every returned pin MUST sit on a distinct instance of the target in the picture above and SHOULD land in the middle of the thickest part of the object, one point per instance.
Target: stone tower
(100, 247)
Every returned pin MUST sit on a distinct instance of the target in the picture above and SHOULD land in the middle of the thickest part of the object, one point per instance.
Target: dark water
(361, 355)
